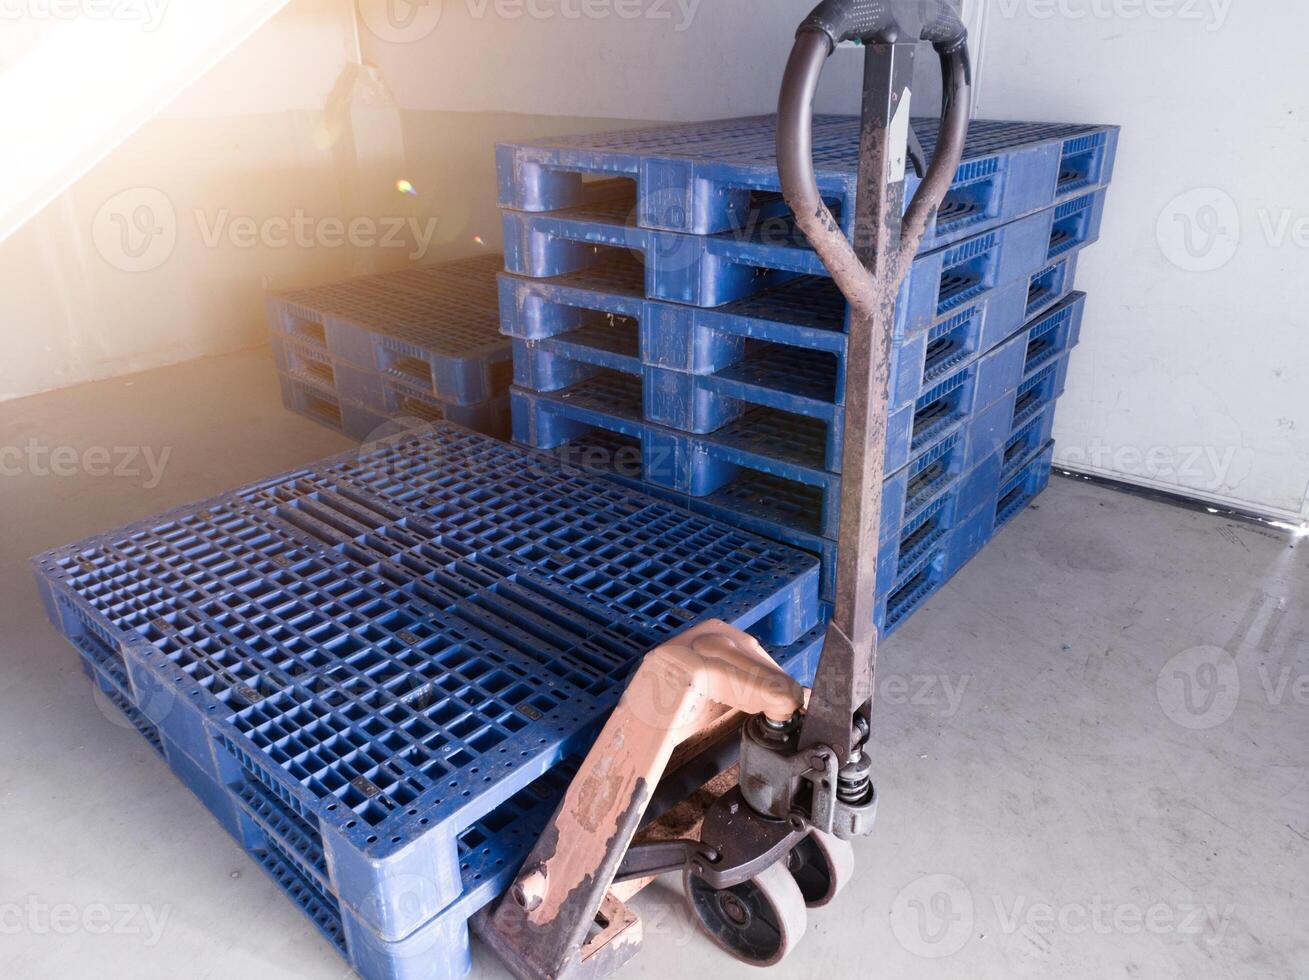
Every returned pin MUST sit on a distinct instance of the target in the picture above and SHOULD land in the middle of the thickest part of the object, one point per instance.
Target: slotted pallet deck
(373, 355)
(435, 328)
(365, 661)
(714, 270)
(1027, 370)
(712, 177)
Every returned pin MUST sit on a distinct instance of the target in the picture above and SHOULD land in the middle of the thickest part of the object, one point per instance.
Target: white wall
(1194, 369)
(252, 137)
(630, 59)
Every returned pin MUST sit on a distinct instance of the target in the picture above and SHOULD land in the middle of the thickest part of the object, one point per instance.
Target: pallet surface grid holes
(397, 641)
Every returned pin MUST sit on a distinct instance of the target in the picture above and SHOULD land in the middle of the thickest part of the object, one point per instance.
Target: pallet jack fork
(777, 842)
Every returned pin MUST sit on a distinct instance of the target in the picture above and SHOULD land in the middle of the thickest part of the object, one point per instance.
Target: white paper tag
(899, 135)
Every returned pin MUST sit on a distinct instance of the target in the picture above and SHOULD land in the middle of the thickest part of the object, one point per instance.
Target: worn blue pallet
(787, 380)
(1024, 487)
(432, 327)
(490, 852)
(379, 406)
(397, 641)
(763, 440)
(394, 398)
(780, 498)
(748, 353)
(113, 689)
(933, 497)
(806, 312)
(276, 839)
(711, 177)
(758, 509)
(711, 271)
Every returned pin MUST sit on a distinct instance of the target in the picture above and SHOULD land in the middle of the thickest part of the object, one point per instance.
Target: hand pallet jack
(776, 842)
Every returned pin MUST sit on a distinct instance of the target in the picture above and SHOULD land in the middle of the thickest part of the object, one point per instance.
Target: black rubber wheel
(758, 922)
(821, 865)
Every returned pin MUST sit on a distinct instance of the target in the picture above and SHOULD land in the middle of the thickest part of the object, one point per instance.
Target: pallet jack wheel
(821, 864)
(759, 922)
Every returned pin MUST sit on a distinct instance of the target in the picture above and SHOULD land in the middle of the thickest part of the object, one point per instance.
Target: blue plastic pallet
(806, 312)
(715, 270)
(433, 327)
(397, 641)
(933, 497)
(787, 380)
(1024, 487)
(752, 352)
(757, 509)
(392, 398)
(761, 441)
(381, 406)
(566, 329)
(802, 513)
(711, 177)
(490, 852)
(273, 836)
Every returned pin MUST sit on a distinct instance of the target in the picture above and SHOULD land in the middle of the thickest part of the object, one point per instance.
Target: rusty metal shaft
(869, 273)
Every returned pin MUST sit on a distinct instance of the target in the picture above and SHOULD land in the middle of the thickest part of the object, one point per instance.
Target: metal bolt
(734, 910)
(529, 890)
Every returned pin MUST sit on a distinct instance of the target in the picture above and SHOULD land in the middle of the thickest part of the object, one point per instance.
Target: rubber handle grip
(888, 21)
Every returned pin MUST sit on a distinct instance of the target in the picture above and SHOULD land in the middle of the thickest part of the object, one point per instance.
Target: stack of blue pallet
(375, 671)
(672, 328)
(421, 345)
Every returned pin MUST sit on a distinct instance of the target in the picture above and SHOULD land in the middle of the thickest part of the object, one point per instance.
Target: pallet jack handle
(869, 273)
(761, 838)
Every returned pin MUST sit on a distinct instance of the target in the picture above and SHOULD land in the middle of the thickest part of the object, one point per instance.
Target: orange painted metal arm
(540, 928)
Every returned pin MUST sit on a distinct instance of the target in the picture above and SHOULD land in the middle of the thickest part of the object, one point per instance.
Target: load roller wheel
(759, 922)
(821, 864)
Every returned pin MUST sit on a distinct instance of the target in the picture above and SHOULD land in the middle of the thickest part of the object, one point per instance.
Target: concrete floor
(1091, 748)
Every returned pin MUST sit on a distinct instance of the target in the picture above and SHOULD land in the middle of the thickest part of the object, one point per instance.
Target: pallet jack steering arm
(778, 841)
(869, 273)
